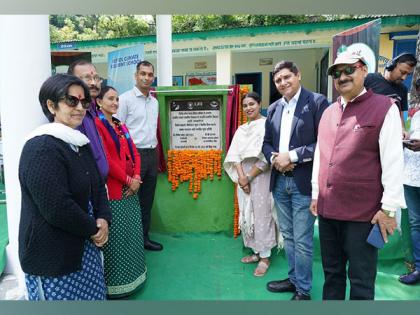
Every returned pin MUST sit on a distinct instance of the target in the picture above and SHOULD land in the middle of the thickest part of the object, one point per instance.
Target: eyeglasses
(73, 101)
(88, 78)
(347, 71)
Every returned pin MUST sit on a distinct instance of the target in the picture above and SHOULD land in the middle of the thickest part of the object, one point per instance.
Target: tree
(115, 26)
(66, 33)
(87, 27)
(194, 23)
(80, 27)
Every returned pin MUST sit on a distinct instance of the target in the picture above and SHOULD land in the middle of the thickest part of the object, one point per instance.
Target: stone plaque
(195, 124)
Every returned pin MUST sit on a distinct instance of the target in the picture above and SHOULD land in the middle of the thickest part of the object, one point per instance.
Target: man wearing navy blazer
(289, 143)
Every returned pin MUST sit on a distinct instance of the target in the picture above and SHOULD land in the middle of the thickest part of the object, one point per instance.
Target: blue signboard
(122, 66)
(66, 46)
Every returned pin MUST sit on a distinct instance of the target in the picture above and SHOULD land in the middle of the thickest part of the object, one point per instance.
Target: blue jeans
(412, 197)
(297, 226)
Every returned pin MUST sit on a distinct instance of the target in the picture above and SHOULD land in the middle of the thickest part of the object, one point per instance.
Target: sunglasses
(73, 101)
(347, 71)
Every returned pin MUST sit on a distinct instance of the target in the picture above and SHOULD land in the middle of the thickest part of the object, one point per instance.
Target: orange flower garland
(236, 228)
(242, 119)
(193, 166)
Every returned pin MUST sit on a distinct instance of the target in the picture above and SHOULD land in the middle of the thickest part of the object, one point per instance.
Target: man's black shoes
(281, 286)
(300, 297)
(411, 278)
(152, 245)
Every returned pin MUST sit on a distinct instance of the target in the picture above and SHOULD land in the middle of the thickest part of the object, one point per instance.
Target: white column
(224, 68)
(164, 49)
(25, 63)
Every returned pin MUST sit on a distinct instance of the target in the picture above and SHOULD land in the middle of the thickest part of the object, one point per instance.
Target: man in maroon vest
(356, 179)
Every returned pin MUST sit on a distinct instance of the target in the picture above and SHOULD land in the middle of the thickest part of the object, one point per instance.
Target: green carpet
(207, 267)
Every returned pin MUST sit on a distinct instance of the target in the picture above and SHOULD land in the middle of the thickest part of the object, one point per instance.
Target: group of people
(88, 180)
(342, 163)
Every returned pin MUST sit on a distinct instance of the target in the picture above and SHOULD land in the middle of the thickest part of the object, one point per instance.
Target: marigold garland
(193, 166)
(241, 119)
(236, 228)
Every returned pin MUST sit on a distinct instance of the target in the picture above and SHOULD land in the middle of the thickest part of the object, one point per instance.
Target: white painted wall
(305, 59)
(243, 62)
(163, 68)
(183, 65)
(224, 67)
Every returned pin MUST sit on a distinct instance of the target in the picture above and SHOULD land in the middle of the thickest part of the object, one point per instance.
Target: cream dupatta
(246, 143)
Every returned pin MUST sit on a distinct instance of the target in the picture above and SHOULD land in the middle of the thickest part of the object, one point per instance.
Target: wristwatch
(388, 213)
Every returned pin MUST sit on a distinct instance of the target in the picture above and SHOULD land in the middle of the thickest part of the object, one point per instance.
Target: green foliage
(88, 27)
(414, 95)
(66, 32)
(194, 23)
(114, 26)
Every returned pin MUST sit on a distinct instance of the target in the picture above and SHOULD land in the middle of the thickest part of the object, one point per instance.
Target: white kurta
(412, 158)
(256, 218)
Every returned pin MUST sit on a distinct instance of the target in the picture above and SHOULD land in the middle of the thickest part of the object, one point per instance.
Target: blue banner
(122, 66)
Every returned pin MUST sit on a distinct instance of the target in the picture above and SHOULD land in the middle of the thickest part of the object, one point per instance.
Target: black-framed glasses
(348, 70)
(73, 101)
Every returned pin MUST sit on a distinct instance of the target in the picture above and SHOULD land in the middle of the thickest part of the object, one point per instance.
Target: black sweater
(57, 184)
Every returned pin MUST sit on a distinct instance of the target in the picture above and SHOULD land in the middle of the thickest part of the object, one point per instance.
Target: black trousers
(344, 242)
(146, 193)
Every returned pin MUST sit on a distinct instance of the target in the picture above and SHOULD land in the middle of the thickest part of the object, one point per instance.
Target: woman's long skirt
(124, 259)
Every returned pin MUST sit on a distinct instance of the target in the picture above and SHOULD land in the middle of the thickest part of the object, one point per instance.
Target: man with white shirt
(357, 179)
(289, 144)
(139, 111)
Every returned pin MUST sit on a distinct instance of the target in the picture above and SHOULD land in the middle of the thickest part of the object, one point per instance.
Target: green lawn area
(206, 266)
(201, 266)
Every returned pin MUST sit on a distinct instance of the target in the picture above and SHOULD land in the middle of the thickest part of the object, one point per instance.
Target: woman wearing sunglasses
(124, 261)
(65, 213)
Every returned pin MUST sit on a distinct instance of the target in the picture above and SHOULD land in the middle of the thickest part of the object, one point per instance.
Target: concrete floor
(9, 288)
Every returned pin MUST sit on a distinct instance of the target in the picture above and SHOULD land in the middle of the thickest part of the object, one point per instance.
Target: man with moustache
(86, 71)
(139, 111)
(357, 179)
(289, 143)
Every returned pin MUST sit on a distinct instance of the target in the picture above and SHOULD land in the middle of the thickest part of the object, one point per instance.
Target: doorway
(274, 93)
(253, 78)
